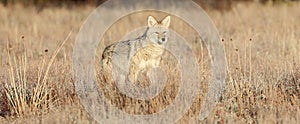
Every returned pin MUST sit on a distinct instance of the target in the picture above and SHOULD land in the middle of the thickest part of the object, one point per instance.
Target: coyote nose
(163, 39)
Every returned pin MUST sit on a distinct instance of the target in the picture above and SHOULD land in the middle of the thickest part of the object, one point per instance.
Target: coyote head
(158, 32)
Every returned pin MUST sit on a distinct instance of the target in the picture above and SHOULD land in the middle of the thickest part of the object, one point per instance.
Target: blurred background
(215, 4)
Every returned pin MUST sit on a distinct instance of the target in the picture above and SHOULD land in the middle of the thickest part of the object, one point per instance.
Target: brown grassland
(262, 45)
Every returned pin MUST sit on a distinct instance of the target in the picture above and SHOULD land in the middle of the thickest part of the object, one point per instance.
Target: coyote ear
(151, 21)
(166, 22)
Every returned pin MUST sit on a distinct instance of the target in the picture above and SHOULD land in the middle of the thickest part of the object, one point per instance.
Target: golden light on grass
(262, 49)
(29, 98)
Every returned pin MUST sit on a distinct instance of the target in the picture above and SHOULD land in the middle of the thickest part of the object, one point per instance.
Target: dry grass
(262, 47)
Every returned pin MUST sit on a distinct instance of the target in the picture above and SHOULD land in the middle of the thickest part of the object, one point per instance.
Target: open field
(262, 45)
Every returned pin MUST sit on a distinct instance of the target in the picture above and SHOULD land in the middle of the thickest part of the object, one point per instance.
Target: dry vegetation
(262, 47)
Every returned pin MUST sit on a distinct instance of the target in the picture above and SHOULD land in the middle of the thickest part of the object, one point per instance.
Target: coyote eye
(165, 32)
(156, 33)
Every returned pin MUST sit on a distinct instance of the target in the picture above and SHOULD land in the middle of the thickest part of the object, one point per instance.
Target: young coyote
(142, 53)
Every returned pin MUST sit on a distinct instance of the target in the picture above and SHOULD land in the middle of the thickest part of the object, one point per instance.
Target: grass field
(262, 45)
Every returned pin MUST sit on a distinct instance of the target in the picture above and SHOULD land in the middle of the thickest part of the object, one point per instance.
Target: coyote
(142, 53)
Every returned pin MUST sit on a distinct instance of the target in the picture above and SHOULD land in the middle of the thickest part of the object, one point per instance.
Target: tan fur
(143, 52)
(145, 59)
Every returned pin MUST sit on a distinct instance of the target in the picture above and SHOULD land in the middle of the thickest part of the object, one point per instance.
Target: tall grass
(262, 49)
(30, 98)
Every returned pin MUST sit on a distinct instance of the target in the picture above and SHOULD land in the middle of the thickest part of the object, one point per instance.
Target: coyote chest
(145, 59)
(148, 57)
